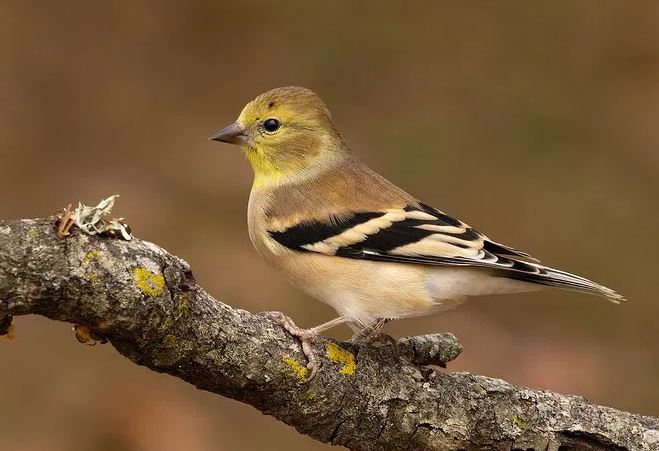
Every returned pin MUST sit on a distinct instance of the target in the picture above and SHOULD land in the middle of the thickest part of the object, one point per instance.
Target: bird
(349, 237)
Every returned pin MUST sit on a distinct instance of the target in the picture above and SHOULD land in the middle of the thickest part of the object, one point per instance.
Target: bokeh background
(534, 121)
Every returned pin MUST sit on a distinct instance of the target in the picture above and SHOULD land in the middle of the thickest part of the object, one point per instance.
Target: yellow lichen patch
(301, 372)
(184, 305)
(345, 358)
(149, 283)
(91, 255)
(519, 421)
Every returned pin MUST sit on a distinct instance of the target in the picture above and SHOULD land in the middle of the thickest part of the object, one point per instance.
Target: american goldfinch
(348, 237)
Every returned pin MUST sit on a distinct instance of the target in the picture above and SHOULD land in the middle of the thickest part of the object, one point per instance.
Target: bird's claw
(372, 335)
(304, 335)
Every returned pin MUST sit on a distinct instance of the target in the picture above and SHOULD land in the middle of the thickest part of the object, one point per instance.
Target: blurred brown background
(535, 121)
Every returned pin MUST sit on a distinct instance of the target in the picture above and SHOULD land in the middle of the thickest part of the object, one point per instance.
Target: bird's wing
(415, 234)
(420, 234)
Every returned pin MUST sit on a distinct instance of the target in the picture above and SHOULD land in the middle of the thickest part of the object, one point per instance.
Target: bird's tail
(544, 275)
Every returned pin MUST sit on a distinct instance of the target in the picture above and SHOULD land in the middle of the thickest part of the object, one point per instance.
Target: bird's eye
(271, 125)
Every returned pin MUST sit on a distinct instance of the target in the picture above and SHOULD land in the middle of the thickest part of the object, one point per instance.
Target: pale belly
(363, 291)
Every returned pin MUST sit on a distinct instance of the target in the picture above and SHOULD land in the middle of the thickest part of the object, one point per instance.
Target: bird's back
(343, 190)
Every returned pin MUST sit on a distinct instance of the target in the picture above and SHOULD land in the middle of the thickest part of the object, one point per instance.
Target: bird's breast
(258, 225)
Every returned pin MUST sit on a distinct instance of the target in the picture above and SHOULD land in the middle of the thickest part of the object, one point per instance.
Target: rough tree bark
(147, 304)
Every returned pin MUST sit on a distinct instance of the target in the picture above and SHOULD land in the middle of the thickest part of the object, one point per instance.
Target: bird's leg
(372, 334)
(304, 335)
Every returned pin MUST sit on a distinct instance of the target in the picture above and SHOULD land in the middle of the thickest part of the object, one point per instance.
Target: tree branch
(148, 305)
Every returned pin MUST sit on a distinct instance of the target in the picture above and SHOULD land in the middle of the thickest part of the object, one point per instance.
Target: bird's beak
(233, 134)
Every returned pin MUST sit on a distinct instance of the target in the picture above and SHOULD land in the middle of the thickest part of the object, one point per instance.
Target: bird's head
(286, 133)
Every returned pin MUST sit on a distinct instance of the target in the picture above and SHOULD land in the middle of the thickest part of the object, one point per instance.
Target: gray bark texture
(146, 303)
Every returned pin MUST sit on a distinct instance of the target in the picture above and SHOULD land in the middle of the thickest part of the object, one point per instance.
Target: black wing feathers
(420, 234)
(312, 232)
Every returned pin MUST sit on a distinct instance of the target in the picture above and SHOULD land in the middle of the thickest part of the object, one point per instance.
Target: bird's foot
(372, 335)
(304, 335)
(375, 339)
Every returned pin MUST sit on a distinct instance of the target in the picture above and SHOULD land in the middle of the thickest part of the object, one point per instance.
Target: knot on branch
(431, 349)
